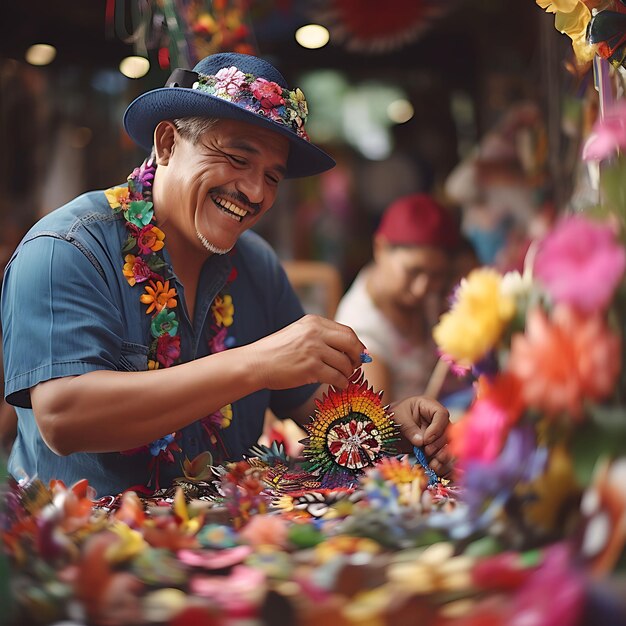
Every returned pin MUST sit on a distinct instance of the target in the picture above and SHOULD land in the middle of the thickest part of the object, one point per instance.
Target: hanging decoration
(607, 30)
(184, 31)
(601, 33)
(369, 26)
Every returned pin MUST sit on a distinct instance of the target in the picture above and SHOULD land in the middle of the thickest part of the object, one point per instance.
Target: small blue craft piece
(421, 459)
(365, 357)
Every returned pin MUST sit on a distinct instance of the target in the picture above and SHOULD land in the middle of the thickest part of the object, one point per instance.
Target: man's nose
(420, 284)
(252, 185)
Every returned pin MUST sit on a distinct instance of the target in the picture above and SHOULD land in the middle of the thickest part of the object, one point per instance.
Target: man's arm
(105, 411)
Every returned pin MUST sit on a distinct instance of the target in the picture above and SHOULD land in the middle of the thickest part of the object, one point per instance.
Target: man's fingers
(439, 419)
(433, 448)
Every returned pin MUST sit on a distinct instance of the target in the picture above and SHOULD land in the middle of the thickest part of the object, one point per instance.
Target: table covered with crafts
(349, 532)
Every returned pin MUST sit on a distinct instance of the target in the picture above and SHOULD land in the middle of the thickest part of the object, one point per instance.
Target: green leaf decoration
(129, 245)
(155, 263)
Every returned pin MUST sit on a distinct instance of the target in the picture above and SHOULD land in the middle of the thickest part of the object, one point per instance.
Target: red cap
(418, 220)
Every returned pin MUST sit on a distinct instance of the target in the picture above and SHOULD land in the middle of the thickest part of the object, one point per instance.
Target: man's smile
(232, 210)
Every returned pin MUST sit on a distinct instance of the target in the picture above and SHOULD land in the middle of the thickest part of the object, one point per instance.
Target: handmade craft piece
(351, 430)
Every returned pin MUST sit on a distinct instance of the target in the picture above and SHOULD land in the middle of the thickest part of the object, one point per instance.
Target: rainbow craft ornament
(350, 431)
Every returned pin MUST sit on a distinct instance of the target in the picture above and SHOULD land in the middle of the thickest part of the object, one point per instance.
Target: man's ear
(165, 135)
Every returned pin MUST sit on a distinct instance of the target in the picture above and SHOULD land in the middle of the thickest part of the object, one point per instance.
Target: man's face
(222, 185)
(414, 274)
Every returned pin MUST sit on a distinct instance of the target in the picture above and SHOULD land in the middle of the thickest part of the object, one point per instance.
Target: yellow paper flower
(223, 310)
(227, 415)
(571, 17)
(554, 6)
(129, 544)
(477, 319)
(118, 197)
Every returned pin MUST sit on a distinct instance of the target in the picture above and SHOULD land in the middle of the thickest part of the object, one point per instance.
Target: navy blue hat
(234, 86)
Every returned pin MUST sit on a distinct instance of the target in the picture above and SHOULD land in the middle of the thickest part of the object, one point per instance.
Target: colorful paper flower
(168, 349)
(150, 239)
(223, 309)
(229, 80)
(217, 343)
(136, 270)
(158, 296)
(477, 319)
(139, 213)
(143, 175)
(268, 93)
(608, 135)
(118, 198)
(480, 434)
(487, 485)
(164, 321)
(553, 595)
(572, 18)
(580, 263)
(161, 445)
(564, 360)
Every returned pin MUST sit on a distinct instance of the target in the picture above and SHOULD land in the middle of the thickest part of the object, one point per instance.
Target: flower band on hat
(257, 95)
(235, 86)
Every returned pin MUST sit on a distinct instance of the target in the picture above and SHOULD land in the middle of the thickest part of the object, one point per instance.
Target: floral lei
(144, 263)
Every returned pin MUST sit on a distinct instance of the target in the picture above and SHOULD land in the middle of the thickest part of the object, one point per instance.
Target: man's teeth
(231, 208)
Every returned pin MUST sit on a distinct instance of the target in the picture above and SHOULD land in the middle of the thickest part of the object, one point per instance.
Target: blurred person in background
(396, 300)
(501, 187)
(121, 285)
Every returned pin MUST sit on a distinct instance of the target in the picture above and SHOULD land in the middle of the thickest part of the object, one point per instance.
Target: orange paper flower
(159, 295)
(565, 360)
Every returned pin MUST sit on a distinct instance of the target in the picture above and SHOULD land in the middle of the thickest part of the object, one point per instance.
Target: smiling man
(146, 324)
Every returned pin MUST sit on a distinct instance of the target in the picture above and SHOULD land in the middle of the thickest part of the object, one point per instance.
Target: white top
(410, 366)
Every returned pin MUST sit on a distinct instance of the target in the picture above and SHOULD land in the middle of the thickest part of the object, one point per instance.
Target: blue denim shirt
(67, 310)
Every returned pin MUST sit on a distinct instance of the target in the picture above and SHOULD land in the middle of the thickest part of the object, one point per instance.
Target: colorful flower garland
(144, 263)
(258, 95)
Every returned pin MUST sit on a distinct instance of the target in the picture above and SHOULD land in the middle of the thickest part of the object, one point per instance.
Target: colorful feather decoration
(350, 431)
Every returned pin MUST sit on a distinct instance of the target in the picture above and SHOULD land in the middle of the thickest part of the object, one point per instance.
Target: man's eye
(237, 159)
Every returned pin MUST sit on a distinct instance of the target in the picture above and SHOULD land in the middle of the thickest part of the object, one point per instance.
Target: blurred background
(404, 95)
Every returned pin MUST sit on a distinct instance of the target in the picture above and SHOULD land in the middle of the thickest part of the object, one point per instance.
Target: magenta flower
(268, 94)
(168, 349)
(608, 135)
(484, 432)
(580, 263)
(142, 176)
(554, 595)
(141, 270)
(217, 343)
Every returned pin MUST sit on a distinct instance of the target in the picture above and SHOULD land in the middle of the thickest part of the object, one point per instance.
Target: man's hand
(311, 350)
(423, 422)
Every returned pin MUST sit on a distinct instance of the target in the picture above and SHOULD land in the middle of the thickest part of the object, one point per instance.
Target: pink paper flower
(608, 135)
(229, 80)
(554, 595)
(480, 435)
(580, 263)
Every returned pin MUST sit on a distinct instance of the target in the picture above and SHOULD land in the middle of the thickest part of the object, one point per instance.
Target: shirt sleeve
(57, 317)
